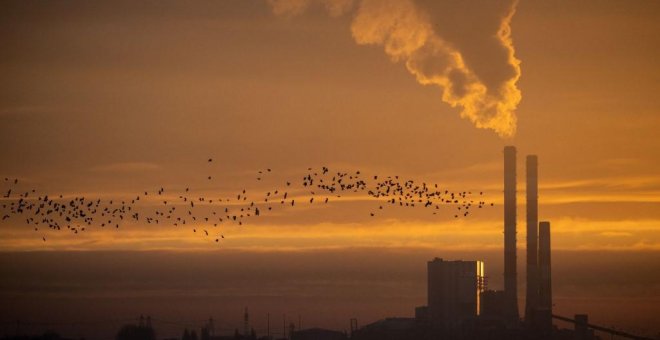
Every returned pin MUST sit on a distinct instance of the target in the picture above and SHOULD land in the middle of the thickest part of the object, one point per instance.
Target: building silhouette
(459, 305)
(454, 289)
(142, 331)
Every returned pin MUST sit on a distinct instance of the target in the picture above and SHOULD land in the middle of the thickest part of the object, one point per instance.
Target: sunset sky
(111, 99)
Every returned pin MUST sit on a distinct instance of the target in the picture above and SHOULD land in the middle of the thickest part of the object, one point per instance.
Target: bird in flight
(78, 214)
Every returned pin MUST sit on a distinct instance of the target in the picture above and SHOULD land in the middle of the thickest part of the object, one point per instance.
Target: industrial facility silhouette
(459, 303)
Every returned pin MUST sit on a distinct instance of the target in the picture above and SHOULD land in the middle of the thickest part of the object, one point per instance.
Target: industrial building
(454, 291)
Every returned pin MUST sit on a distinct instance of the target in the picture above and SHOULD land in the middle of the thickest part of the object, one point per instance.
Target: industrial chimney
(544, 309)
(510, 284)
(531, 302)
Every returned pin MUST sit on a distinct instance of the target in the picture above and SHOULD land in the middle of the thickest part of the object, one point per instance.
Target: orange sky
(98, 101)
(111, 99)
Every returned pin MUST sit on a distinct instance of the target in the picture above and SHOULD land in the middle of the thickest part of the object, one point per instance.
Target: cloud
(567, 234)
(464, 48)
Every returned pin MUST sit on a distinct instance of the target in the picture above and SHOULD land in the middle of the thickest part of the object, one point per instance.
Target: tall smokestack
(510, 284)
(531, 303)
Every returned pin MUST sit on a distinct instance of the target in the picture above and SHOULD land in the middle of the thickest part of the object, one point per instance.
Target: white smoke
(462, 46)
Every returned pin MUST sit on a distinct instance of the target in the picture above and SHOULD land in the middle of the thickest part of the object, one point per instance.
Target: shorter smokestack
(545, 282)
(543, 313)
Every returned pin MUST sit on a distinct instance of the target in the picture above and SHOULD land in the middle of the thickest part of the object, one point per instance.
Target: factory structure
(457, 294)
(454, 292)
(459, 305)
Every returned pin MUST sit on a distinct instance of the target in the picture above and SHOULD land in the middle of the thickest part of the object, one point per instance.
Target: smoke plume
(462, 46)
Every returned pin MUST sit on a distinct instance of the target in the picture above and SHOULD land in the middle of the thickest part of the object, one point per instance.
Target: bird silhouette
(77, 214)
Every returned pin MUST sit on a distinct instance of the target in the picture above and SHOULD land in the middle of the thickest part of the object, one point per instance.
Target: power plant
(457, 294)
(459, 305)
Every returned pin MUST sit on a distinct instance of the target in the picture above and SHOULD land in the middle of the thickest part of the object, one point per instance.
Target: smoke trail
(463, 47)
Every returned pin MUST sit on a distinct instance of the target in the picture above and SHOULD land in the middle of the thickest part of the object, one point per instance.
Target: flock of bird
(203, 214)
